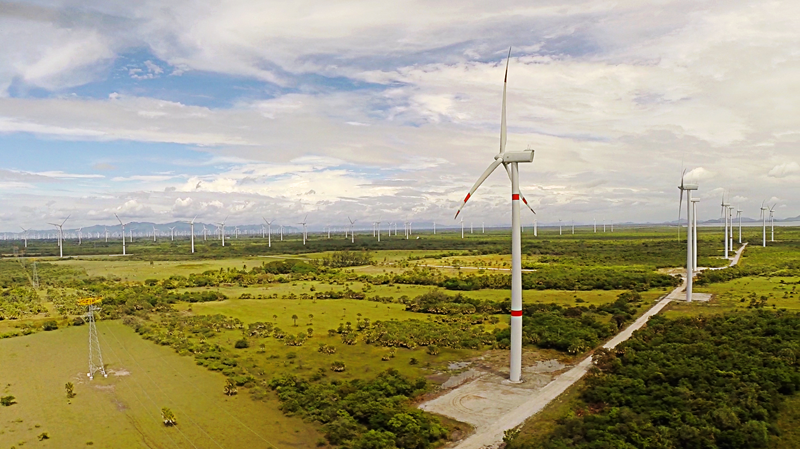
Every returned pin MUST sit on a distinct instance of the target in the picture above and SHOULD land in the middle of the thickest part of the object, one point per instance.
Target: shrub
(241, 344)
(78, 321)
(6, 401)
(50, 325)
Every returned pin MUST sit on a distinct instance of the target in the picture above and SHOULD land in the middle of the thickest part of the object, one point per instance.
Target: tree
(168, 417)
(294, 318)
(310, 332)
(70, 390)
(337, 366)
(274, 317)
(241, 344)
(230, 387)
(310, 317)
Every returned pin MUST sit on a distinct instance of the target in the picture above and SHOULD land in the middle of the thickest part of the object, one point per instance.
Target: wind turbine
(205, 233)
(222, 229)
(510, 161)
(772, 221)
(154, 233)
(304, 228)
(378, 227)
(191, 223)
(462, 227)
(573, 226)
(559, 226)
(688, 188)
(595, 225)
(352, 234)
(763, 225)
(724, 211)
(535, 227)
(739, 216)
(61, 236)
(172, 233)
(106, 229)
(80, 236)
(123, 233)
(281, 233)
(269, 226)
(694, 233)
(25, 236)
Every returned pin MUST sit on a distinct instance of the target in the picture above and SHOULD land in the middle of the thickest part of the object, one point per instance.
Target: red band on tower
(515, 197)
(516, 313)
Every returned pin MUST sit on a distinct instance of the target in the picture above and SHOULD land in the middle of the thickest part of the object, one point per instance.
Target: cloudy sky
(163, 110)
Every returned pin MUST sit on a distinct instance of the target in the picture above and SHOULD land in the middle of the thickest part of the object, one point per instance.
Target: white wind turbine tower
(106, 229)
(483, 227)
(434, 229)
(191, 224)
(763, 225)
(281, 233)
(154, 234)
(172, 233)
(688, 188)
(304, 229)
(205, 233)
(25, 236)
(269, 234)
(123, 233)
(80, 236)
(772, 221)
(694, 233)
(730, 227)
(595, 225)
(462, 227)
(470, 227)
(378, 227)
(724, 210)
(535, 227)
(221, 226)
(510, 161)
(352, 234)
(61, 236)
(739, 216)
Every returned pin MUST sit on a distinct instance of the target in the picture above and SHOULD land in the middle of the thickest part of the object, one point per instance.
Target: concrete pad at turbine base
(489, 396)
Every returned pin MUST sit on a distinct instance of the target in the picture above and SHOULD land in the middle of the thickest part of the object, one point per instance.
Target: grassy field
(361, 358)
(743, 293)
(124, 409)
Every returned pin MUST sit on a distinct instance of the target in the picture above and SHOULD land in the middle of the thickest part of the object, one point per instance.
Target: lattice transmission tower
(95, 355)
(35, 276)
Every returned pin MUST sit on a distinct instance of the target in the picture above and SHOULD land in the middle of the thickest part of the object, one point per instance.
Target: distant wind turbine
(61, 236)
(688, 188)
(304, 228)
(772, 221)
(123, 233)
(352, 234)
(191, 224)
(269, 233)
(25, 236)
(222, 230)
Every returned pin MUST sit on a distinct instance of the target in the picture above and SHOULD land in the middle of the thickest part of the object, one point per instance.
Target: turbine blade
(478, 183)
(65, 220)
(503, 113)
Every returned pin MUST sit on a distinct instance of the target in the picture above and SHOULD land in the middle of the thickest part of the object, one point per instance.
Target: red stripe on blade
(516, 313)
(467, 198)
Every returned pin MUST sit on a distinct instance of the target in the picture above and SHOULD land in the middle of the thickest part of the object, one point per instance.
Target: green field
(124, 409)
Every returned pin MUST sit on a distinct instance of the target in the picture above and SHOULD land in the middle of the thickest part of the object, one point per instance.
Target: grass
(361, 359)
(777, 293)
(124, 410)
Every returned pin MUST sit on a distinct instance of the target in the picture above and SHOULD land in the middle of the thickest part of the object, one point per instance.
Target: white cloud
(785, 169)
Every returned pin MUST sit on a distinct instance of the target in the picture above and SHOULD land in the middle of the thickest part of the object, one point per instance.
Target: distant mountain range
(183, 228)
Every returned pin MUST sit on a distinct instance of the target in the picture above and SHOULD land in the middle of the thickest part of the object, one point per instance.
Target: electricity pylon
(95, 356)
(35, 275)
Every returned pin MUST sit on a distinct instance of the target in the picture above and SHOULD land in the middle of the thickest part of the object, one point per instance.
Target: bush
(241, 344)
(6, 401)
(50, 325)
(78, 321)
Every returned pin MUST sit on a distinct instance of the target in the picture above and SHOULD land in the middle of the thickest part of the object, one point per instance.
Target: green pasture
(124, 409)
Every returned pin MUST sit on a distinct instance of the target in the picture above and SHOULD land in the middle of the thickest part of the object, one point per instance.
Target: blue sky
(249, 108)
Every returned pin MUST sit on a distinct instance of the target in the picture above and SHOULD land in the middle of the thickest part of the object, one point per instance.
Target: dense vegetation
(362, 414)
(707, 382)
